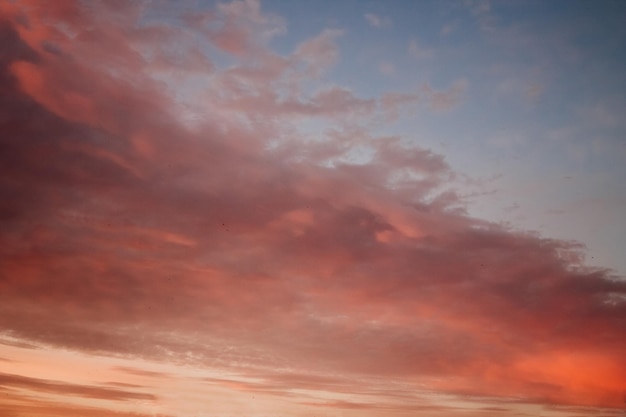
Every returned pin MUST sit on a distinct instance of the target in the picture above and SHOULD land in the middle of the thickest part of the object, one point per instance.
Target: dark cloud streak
(56, 387)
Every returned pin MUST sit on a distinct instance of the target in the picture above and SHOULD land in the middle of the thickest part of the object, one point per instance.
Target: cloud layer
(160, 204)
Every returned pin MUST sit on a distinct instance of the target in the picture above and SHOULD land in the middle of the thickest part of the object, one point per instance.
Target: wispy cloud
(387, 68)
(377, 21)
(417, 51)
(481, 10)
(61, 388)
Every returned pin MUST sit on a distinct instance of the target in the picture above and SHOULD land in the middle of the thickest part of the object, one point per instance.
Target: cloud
(446, 100)
(602, 114)
(56, 387)
(481, 10)
(250, 245)
(50, 409)
(141, 372)
(417, 51)
(237, 27)
(319, 53)
(377, 21)
(448, 28)
(534, 92)
(387, 68)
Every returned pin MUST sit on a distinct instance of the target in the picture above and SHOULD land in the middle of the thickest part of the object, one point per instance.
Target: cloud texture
(162, 204)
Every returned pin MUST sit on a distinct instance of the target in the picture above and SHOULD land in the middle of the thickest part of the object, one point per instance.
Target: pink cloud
(237, 27)
(117, 220)
(319, 53)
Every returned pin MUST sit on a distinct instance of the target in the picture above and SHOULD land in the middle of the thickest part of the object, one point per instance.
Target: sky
(312, 209)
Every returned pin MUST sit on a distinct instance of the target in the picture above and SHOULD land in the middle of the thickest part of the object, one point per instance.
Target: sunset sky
(291, 208)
